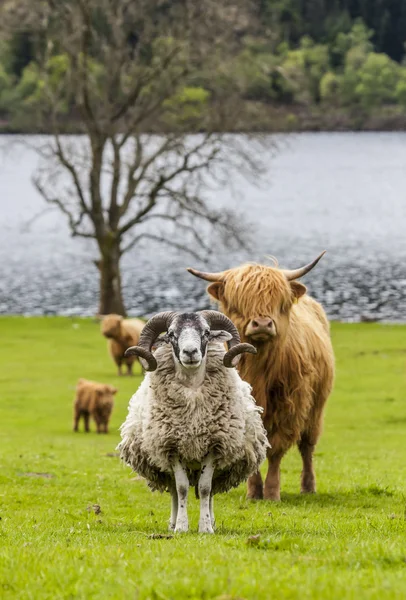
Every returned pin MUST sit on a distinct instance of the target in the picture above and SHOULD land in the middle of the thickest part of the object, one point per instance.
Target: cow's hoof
(273, 495)
(255, 493)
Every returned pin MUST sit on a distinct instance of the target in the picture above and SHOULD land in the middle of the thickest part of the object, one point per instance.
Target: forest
(292, 65)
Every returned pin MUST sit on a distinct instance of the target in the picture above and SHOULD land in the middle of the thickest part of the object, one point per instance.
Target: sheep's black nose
(190, 353)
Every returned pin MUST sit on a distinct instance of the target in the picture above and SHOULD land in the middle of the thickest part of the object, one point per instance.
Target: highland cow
(94, 400)
(292, 373)
(122, 334)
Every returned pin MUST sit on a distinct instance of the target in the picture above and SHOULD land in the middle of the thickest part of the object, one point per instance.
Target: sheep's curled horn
(153, 328)
(217, 320)
(162, 321)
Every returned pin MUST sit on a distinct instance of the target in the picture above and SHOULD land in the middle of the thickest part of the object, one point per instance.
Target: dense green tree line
(324, 19)
(326, 55)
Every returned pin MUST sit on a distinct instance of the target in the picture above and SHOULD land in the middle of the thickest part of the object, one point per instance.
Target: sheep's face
(189, 335)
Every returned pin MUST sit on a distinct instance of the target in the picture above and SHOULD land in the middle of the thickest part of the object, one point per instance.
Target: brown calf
(94, 400)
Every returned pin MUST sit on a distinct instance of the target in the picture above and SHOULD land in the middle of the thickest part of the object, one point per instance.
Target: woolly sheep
(193, 420)
(94, 400)
(121, 333)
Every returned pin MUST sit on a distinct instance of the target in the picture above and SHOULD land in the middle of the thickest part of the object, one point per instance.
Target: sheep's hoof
(205, 525)
(182, 527)
(206, 528)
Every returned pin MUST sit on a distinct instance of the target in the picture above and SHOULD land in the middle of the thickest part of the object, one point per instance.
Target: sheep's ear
(216, 290)
(298, 289)
(162, 339)
(111, 389)
(220, 336)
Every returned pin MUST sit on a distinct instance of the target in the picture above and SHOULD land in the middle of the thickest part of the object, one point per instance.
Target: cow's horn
(296, 273)
(206, 276)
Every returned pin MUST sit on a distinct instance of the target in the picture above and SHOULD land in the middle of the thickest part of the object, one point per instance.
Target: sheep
(121, 333)
(94, 400)
(193, 421)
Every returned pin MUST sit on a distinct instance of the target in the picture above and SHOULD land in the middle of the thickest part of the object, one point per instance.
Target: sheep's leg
(182, 489)
(212, 519)
(205, 484)
(130, 368)
(174, 507)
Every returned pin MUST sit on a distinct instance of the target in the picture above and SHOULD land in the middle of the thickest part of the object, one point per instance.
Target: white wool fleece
(166, 419)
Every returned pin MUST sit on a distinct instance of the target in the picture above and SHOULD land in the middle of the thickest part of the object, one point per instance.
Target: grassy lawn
(346, 542)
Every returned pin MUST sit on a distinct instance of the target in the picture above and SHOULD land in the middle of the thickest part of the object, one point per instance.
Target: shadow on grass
(356, 495)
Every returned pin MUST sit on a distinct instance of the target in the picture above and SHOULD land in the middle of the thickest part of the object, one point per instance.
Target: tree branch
(161, 240)
(73, 222)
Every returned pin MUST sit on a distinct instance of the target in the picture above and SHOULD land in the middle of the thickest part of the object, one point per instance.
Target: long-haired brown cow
(292, 373)
(122, 334)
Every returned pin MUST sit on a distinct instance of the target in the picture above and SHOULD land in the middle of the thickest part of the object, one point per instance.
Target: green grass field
(346, 542)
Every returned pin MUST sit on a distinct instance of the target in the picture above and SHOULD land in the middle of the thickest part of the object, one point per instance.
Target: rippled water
(344, 192)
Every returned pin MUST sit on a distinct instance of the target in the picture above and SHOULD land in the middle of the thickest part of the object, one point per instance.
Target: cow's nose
(261, 323)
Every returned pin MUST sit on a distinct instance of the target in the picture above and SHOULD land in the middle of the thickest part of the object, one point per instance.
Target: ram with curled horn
(193, 421)
(292, 374)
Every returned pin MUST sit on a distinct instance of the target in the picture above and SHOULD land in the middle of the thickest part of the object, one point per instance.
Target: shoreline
(261, 118)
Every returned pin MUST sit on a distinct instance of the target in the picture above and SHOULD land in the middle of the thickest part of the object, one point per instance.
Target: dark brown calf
(94, 400)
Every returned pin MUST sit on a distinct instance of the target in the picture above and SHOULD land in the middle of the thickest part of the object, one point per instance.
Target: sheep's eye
(207, 333)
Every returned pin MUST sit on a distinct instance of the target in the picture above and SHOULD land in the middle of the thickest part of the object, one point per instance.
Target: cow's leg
(86, 418)
(272, 487)
(174, 507)
(308, 481)
(205, 485)
(255, 489)
(182, 488)
(118, 363)
(213, 520)
(130, 367)
(76, 418)
(99, 422)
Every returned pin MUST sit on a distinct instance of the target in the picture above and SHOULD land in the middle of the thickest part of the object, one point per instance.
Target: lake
(343, 192)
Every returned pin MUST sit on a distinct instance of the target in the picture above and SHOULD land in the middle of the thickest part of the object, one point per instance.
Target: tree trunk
(111, 298)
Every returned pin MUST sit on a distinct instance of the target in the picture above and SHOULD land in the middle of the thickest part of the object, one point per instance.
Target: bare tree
(126, 70)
